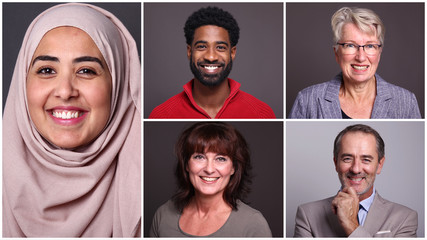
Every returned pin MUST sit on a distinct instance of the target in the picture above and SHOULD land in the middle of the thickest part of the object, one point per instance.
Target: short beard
(210, 80)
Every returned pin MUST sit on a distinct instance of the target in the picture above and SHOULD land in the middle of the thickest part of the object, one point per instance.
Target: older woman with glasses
(356, 92)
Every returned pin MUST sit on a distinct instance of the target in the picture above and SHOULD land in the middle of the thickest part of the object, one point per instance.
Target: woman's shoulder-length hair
(214, 137)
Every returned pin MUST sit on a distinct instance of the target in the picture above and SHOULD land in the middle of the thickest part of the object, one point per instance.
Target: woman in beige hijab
(71, 129)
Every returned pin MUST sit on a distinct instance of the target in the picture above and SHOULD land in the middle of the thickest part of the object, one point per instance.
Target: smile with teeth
(209, 179)
(208, 67)
(66, 114)
(354, 179)
(358, 67)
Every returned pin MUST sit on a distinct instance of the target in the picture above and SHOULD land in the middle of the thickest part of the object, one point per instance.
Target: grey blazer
(322, 101)
(384, 219)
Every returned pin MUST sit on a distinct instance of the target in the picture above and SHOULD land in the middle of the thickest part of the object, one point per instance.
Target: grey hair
(365, 19)
(364, 129)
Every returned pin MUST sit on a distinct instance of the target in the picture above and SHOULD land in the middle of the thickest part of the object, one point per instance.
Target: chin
(67, 143)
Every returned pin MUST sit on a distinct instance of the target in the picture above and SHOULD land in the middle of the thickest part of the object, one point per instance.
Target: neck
(210, 98)
(205, 205)
(366, 195)
(359, 92)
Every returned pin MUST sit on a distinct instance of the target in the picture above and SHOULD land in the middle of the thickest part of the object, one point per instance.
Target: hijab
(92, 191)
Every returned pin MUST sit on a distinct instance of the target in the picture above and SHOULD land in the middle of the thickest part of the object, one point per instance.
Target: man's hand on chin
(346, 206)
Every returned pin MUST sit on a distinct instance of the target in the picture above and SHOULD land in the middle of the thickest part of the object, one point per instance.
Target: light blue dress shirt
(364, 209)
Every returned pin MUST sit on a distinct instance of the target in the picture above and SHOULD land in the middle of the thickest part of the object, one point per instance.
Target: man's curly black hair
(212, 16)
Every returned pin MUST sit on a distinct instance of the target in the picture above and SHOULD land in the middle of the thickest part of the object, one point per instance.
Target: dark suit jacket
(384, 219)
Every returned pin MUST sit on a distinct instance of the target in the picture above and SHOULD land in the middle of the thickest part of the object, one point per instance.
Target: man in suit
(357, 210)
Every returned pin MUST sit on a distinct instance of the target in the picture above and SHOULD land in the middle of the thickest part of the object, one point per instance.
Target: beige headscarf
(92, 192)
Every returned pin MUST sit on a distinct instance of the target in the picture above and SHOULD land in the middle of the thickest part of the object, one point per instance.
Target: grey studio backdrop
(18, 16)
(265, 141)
(258, 65)
(310, 58)
(311, 175)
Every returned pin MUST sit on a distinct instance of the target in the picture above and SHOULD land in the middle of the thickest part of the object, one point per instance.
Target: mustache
(360, 175)
(206, 62)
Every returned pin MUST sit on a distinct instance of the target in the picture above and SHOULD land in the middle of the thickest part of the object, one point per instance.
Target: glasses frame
(360, 46)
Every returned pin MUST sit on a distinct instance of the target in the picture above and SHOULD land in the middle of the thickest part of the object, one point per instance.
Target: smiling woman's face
(68, 88)
(359, 67)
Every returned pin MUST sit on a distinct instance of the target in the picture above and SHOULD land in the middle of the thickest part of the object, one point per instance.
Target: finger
(334, 206)
(342, 195)
(352, 192)
(346, 189)
(334, 209)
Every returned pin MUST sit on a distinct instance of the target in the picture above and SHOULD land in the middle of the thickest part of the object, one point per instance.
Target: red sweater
(238, 105)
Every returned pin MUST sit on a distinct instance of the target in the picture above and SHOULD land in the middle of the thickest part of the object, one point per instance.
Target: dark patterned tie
(360, 208)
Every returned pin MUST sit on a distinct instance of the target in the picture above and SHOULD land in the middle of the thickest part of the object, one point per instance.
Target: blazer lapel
(330, 103)
(376, 215)
(382, 103)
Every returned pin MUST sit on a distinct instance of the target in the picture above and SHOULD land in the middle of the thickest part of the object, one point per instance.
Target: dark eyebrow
(346, 155)
(222, 42)
(200, 42)
(45, 58)
(217, 42)
(77, 60)
(350, 155)
(88, 59)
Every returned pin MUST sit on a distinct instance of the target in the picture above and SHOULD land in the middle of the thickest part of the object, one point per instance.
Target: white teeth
(211, 67)
(209, 179)
(66, 114)
(356, 179)
(360, 67)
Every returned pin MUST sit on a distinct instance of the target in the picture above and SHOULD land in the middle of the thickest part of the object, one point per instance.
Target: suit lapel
(376, 215)
(382, 99)
(330, 104)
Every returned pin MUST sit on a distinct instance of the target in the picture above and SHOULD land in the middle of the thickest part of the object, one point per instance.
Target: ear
(188, 51)
(380, 165)
(233, 52)
(232, 171)
(335, 163)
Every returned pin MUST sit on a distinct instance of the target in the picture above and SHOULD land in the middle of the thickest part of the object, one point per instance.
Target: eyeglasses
(352, 48)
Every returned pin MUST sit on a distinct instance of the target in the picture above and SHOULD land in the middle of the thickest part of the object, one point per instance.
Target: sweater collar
(234, 89)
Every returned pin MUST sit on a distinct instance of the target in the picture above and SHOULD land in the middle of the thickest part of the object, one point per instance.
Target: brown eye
(87, 71)
(46, 71)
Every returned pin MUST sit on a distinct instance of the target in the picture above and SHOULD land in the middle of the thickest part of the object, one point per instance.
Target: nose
(65, 88)
(355, 167)
(211, 54)
(361, 54)
(210, 167)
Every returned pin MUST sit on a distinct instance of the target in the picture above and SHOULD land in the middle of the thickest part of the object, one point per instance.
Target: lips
(209, 179)
(355, 180)
(359, 67)
(210, 68)
(67, 115)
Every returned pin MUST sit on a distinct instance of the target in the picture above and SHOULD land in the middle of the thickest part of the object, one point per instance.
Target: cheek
(194, 57)
(37, 94)
(227, 170)
(98, 95)
(192, 168)
(344, 59)
(374, 60)
(342, 168)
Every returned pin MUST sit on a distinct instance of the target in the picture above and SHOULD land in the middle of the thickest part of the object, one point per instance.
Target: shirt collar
(366, 204)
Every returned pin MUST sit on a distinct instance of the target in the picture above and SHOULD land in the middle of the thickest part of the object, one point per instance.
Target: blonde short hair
(365, 19)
